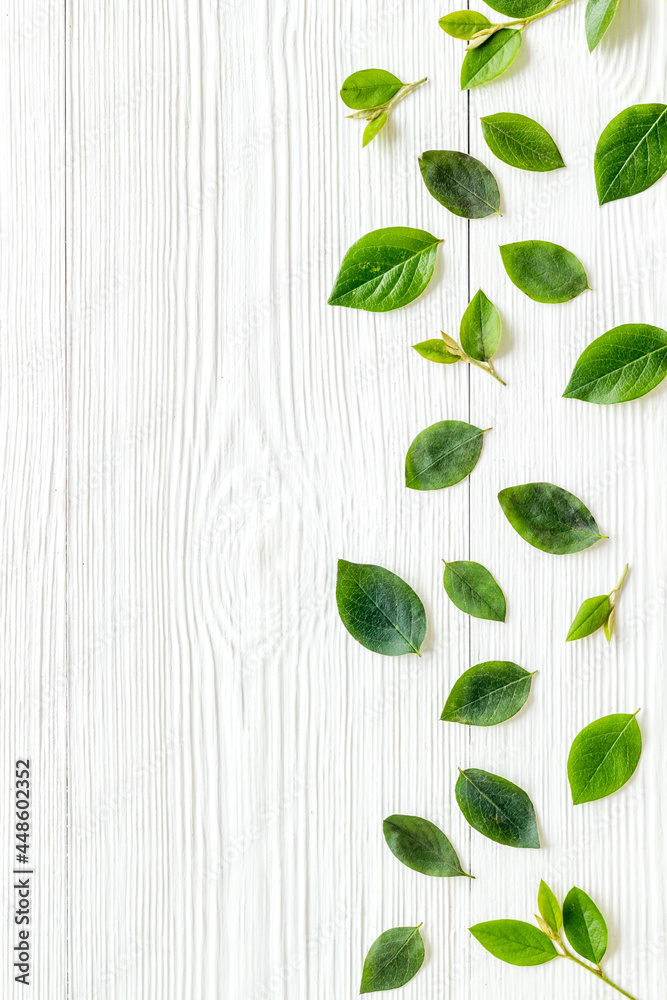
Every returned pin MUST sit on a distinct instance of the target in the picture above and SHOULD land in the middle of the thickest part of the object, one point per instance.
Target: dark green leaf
(421, 846)
(490, 59)
(374, 127)
(497, 808)
(549, 908)
(519, 8)
(631, 153)
(515, 942)
(435, 350)
(442, 455)
(591, 616)
(549, 517)
(480, 328)
(521, 142)
(463, 23)
(385, 269)
(599, 15)
(545, 272)
(487, 694)
(472, 589)
(603, 757)
(460, 182)
(393, 960)
(368, 88)
(584, 925)
(623, 364)
(379, 609)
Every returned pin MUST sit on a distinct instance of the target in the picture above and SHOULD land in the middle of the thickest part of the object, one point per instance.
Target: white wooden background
(190, 439)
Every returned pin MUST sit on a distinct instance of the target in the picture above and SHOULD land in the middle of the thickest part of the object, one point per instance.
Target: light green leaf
(369, 88)
(519, 8)
(442, 455)
(521, 142)
(549, 517)
(421, 846)
(544, 271)
(603, 757)
(385, 269)
(473, 590)
(480, 328)
(631, 153)
(460, 182)
(487, 694)
(585, 926)
(486, 62)
(435, 350)
(393, 960)
(374, 127)
(623, 364)
(591, 616)
(515, 942)
(463, 23)
(549, 908)
(599, 15)
(379, 609)
(497, 808)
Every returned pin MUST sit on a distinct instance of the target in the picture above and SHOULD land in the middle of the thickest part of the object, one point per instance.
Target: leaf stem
(617, 588)
(484, 33)
(486, 367)
(597, 972)
(371, 113)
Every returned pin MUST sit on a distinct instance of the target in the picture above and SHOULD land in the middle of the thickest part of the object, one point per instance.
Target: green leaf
(599, 15)
(385, 269)
(603, 757)
(393, 960)
(374, 127)
(470, 586)
(545, 272)
(487, 694)
(379, 609)
(623, 364)
(490, 59)
(421, 846)
(497, 808)
(443, 455)
(519, 8)
(435, 350)
(591, 616)
(515, 942)
(549, 908)
(368, 88)
(480, 328)
(463, 23)
(584, 925)
(460, 182)
(549, 517)
(631, 153)
(521, 142)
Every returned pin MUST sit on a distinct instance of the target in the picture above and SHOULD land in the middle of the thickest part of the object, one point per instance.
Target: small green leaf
(545, 272)
(487, 694)
(421, 846)
(480, 328)
(473, 590)
(515, 942)
(393, 960)
(599, 15)
(460, 182)
(435, 350)
(463, 23)
(374, 127)
(521, 142)
(603, 757)
(497, 808)
(385, 269)
(585, 926)
(442, 455)
(631, 153)
(549, 517)
(519, 8)
(623, 364)
(490, 59)
(549, 908)
(368, 88)
(379, 609)
(591, 616)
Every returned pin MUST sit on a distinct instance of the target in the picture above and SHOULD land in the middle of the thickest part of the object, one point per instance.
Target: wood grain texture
(225, 436)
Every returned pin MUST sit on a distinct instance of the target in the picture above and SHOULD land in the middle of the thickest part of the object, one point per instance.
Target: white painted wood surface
(192, 438)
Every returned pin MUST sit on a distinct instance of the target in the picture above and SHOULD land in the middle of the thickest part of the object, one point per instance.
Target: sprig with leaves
(372, 94)
(520, 943)
(479, 334)
(597, 612)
